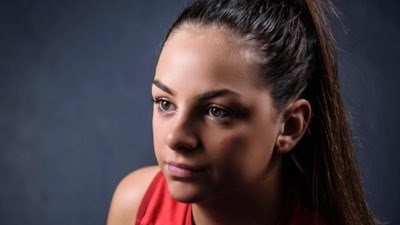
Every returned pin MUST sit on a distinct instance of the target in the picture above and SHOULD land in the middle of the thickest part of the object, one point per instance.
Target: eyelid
(156, 99)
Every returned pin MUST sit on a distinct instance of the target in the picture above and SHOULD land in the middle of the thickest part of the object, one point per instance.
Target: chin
(186, 192)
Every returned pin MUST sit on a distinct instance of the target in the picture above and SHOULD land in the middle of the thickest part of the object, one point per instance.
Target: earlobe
(294, 124)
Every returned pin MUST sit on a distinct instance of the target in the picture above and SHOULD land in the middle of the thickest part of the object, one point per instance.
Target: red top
(158, 208)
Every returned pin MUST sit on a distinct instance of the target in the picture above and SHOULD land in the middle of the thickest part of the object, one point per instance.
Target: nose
(182, 135)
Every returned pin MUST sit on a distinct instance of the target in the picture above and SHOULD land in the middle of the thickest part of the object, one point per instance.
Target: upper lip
(185, 166)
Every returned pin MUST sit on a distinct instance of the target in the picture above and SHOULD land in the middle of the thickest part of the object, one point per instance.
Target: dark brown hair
(298, 58)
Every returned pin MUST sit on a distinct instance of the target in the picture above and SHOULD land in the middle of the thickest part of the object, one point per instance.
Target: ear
(294, 124)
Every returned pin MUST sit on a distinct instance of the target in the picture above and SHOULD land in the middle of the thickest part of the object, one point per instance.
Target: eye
(164, 105)
(218, 112)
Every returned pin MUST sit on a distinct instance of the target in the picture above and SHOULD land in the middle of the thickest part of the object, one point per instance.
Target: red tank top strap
(158, 207)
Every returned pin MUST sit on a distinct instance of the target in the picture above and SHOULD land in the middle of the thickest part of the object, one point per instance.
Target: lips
(182, 170)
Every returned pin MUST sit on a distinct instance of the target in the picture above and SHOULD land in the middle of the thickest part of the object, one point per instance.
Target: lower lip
(180, 172)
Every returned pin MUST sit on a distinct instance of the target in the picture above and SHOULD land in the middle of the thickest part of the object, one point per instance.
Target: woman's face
(214, 125)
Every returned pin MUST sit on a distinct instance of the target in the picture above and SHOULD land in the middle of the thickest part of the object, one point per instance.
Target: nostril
(179, 140)
(186, 144)
(184, 147)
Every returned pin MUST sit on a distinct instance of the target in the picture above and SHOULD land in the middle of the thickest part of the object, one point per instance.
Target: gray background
(75, 105)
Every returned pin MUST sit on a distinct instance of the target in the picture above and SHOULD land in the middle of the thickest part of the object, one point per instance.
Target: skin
(217, 137)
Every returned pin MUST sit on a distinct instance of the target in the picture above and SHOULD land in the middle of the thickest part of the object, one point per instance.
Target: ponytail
(336, 189)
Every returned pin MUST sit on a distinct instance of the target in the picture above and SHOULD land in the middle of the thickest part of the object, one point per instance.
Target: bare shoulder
(129, 194)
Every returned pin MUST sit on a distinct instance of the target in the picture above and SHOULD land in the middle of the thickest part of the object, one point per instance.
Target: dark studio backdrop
(75, 105)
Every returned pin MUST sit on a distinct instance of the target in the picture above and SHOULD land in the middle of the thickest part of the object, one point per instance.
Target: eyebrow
(163, 87)
(216, 93)
(202, 97)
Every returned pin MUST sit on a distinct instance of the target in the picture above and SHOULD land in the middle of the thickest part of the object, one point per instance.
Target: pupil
(165, 105)
(216, 112)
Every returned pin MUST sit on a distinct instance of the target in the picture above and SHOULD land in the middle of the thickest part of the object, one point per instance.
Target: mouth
(179, 170)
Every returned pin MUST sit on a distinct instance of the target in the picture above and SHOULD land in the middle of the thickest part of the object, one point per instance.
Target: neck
(259, 204)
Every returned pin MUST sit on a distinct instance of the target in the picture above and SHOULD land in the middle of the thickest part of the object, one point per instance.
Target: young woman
(249, 125)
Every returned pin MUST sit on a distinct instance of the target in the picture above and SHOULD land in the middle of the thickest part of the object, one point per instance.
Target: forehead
(210, 50)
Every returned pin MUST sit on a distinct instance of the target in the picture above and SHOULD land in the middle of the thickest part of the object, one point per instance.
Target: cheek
(244, 153)
(158, 131)
(240, 149)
